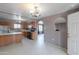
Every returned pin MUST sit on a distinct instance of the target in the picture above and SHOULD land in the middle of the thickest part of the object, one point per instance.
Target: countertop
(12, 33)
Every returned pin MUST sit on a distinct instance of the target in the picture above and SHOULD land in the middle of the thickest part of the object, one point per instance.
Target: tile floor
(32, 47)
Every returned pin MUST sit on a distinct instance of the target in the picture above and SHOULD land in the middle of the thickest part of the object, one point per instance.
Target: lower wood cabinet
(8, 39)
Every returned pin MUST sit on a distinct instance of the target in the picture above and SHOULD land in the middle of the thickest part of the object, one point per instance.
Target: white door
(73, 33)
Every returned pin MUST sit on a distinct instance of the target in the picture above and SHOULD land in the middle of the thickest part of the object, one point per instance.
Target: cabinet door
(1, 41)
(18, 38)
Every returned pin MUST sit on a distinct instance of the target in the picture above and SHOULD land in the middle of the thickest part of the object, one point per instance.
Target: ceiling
(10, 10)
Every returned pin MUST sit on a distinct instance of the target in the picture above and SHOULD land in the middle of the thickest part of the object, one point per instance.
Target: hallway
(32, 47)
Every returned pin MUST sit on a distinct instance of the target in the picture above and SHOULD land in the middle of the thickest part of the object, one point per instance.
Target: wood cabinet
(18, 38)
(8, 39)
(33, 35)
(25, 34)
(30, 35)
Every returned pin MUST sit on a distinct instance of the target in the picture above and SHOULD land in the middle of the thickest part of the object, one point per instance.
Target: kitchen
(12, 31)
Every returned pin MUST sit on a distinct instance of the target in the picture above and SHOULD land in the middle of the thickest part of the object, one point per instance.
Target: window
(17, 26)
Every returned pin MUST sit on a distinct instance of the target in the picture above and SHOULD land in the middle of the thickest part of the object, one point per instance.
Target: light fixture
(35, 12)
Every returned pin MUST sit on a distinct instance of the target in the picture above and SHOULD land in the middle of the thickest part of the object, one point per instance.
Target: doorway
(61, 32)
(40, 27)
(40, 39)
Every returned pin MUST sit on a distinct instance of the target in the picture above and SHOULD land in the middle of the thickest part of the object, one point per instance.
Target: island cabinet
(34, 35)
(5, 39)
(10, 38)
(30, 35)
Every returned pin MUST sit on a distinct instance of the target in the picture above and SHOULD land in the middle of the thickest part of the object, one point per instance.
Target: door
(73, 33)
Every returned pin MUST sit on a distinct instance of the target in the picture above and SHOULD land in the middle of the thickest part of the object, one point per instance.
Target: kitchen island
(9, 38)
(29, 34)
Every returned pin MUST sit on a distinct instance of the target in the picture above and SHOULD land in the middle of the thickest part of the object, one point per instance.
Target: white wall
(51, 35)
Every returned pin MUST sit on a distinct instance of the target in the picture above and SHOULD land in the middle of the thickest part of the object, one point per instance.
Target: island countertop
(12, 33)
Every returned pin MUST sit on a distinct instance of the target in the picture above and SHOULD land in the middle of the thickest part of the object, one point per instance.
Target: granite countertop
(12, 33)
(26, 30)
